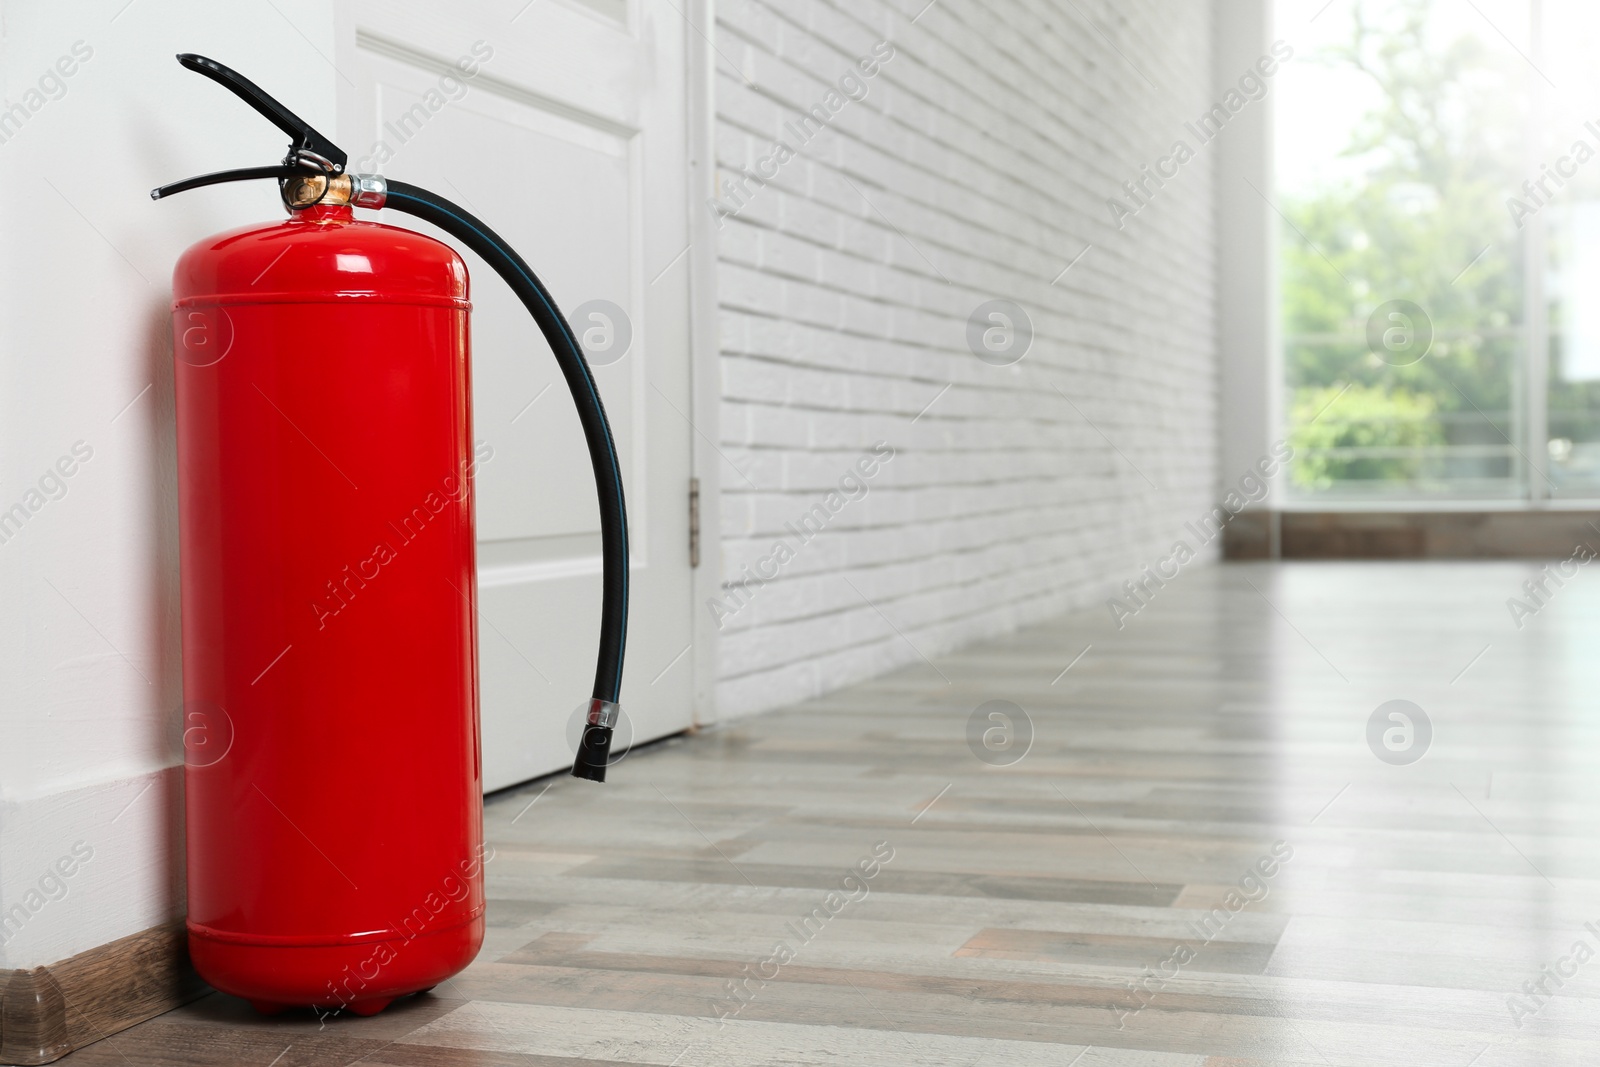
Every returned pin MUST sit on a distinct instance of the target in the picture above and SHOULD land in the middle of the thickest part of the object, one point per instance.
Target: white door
(562, 124)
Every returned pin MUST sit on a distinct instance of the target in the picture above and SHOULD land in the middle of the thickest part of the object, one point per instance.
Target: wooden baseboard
(1542, 534)
(47, 1012)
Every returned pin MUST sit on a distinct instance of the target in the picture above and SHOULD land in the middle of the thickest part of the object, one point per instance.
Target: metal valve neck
(359, 190)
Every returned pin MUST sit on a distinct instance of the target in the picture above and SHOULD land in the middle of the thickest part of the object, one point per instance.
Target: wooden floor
(1055, 910)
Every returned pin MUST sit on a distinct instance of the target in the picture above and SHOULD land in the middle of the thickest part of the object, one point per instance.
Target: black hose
(460, 224)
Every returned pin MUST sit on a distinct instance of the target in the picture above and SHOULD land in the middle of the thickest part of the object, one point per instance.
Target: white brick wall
(976, 167)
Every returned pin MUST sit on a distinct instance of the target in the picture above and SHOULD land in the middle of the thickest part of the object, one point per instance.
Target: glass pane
(1563, 196)
(1400, 128)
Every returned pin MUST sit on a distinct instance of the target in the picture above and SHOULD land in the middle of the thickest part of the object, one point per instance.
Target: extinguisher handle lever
(306, 144)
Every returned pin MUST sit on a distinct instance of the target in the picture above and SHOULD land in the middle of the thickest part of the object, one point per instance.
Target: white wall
(1247, 246)
(89, 637)
(978, 166)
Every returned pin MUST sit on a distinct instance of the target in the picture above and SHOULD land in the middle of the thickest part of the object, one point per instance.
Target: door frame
(705, 581)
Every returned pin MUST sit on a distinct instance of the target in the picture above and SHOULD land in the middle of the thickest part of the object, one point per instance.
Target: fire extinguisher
(333, 786)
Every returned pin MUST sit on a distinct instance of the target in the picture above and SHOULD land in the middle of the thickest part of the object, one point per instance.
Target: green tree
(1437, 159)
(1332, 419)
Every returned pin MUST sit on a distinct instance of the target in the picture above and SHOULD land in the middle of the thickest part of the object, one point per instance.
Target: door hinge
(694, 522)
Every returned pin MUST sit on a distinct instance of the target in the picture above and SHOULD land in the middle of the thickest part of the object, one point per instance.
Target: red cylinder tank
(325, 459)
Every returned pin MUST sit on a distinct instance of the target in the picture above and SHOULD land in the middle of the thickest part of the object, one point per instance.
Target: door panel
(547, 140)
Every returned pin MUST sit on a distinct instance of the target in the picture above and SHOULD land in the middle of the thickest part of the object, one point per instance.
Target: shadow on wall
(158, 515)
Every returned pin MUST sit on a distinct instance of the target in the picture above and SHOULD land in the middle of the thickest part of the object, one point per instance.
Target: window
(1438, 175)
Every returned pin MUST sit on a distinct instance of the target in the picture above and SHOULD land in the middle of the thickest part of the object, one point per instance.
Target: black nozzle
(594, 754)
(242, 174)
